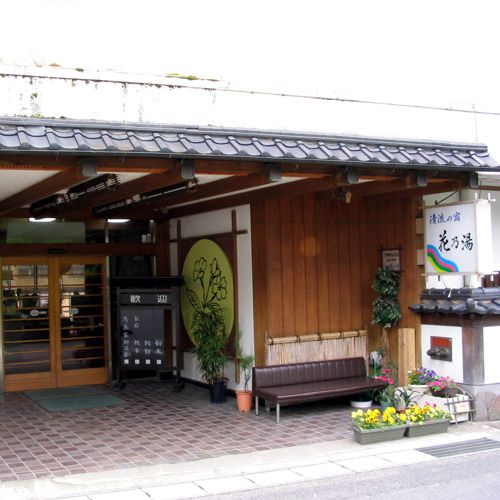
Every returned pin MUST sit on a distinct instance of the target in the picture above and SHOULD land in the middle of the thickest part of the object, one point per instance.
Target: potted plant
(208, 327)
(419, 378)
(211, 355)
(405, 397)
(363, 400)
(373, 426)
(386, 309)
(443, 387)
(386, 396)
(244, 397)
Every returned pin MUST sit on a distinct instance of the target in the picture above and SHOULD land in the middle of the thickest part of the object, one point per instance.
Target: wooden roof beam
(42, 189)
(146, 209)
(295, 188)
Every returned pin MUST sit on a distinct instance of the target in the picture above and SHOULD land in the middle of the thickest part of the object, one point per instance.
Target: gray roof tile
(459, 301)
(23, 134)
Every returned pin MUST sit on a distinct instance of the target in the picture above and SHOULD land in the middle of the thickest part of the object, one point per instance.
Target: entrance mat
(448, 450)
(64, 392)
(74, 398)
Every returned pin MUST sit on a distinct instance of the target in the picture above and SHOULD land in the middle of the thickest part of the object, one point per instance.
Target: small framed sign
(391, 259)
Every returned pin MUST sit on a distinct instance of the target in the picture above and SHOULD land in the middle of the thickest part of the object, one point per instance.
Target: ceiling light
(118, 221)
(44, 219)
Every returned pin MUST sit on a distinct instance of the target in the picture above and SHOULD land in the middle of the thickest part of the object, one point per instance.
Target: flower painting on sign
(451, 237)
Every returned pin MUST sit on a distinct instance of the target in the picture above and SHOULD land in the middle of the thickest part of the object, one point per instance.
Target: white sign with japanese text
(458, 238)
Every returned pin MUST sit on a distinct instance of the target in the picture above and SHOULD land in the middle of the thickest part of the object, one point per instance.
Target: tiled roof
(89, 138)
(459, 301)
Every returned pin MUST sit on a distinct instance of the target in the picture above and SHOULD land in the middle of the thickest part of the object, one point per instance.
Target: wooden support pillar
(162, 248)
(162, 268)
(406, 353)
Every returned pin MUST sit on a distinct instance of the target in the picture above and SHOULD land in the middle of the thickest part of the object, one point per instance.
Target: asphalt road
(458, 478)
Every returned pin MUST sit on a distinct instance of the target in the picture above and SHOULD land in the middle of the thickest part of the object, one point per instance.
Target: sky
(442, 53)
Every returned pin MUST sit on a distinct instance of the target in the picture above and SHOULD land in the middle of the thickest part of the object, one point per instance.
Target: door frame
(57, 377)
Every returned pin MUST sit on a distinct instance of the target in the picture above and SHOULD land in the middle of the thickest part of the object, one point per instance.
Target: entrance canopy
(145, 171)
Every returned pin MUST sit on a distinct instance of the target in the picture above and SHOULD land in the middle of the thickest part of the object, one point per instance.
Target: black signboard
(142, 339)
(142, 328)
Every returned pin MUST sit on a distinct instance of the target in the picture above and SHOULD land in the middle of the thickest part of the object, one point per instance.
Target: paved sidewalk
(239, 472)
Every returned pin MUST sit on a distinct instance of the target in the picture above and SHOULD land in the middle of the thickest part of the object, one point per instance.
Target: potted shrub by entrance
(208, 326)
(244, 397)
(211, 361)
(373, 426)
(210, 337)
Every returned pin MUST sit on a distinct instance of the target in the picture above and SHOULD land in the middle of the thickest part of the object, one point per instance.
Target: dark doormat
(74, 398)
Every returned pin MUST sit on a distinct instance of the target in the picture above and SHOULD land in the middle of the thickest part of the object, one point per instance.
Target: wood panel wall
(314, 261)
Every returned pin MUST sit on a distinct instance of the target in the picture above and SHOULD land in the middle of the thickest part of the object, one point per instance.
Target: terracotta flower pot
(244, 401)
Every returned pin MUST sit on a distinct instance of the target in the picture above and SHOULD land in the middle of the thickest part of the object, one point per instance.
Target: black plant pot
(218, 392)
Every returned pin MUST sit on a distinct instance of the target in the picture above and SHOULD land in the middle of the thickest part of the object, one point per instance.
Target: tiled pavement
(156, 426)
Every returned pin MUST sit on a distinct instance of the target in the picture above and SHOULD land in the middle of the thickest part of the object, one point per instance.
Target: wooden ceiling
(147, 197)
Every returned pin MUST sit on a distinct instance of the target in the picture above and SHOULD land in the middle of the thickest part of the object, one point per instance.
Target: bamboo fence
(316, 347)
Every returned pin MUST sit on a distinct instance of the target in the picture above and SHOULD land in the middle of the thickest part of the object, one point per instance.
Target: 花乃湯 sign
(458, 238)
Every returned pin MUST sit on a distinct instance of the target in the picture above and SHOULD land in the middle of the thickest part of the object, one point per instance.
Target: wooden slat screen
(314, 261)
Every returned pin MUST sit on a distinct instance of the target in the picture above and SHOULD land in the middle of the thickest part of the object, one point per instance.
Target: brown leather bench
(311, 381)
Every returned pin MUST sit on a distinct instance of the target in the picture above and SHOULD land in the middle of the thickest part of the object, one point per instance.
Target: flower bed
(459, 406)
(426, 419)
(373, 426)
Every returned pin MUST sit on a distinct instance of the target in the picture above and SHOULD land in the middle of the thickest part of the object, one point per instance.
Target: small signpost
(141, 327)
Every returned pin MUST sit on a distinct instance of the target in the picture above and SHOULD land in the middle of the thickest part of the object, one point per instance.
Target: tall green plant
(386, 309)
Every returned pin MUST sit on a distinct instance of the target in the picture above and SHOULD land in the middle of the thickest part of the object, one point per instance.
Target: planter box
(459, 406)
(371, 436)
(426, 428)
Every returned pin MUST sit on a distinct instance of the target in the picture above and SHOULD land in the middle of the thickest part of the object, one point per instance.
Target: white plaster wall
(491, 346)
(453, 369)
(98, 95)
(220, 222)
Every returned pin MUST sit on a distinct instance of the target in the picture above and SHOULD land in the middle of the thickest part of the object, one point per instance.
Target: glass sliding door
(54, 319)
(83, 321)
(28, 334)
